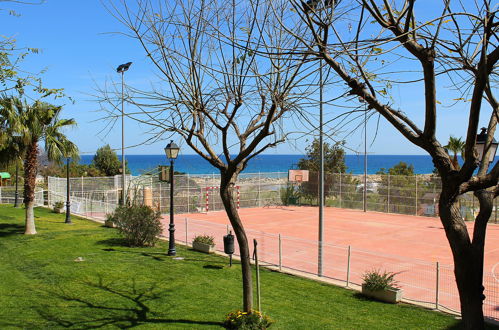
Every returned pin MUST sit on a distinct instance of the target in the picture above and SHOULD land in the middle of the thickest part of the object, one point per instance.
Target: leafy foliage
(456, 145)
(75, 170)
(247, 320)
(205, 239)
(334, 157)
(401, 168)
(289, 195)
(58, 206)
(106, 160)
(139, 225)
(22, 127)
(375, 280)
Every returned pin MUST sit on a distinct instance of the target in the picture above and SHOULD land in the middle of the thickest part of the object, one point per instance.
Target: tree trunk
(468, 269)
(227, 195)
(30, 169)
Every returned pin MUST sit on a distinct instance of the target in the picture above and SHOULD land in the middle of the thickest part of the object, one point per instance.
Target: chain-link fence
(8, 195)
(411, 195)
(430, 284)
(192, 193)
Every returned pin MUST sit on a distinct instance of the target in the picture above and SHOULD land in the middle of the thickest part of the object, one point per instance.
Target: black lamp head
(123, 67)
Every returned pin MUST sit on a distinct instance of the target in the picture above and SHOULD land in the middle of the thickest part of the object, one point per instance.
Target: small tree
(23, 127)
(384, 44)
(334, 162)
(107, 162)
(456, 145)
(401, 168)
(220, 92)
(334, 157)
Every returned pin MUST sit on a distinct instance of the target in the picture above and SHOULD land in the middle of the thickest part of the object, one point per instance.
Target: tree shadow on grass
(122, 306)
(115, 241)
(9, 229)
(159, 256)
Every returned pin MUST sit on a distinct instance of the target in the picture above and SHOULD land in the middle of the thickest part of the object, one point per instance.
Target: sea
(195, 164)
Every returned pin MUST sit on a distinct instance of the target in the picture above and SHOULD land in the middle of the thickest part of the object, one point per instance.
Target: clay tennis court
(403, 235)
(409, 245)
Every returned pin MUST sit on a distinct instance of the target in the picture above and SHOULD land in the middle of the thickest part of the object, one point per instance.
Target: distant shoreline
(268, 163)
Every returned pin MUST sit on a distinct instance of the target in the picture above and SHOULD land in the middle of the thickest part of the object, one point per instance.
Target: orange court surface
(415, 248)
(401, 235)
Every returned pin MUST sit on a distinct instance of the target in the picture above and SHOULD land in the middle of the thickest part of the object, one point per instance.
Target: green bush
(139, 225)
(205, 239)
(376, 280)
(254, 320)
(289, 195)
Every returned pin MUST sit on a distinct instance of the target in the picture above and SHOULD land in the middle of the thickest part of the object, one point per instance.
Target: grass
(42, 286)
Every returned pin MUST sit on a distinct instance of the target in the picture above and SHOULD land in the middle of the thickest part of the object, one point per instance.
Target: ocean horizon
(195, 164)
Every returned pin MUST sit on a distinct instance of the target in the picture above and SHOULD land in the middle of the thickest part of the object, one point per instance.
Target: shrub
(205, 239)
(289, 195)
(375, 280)
(139, 225)
(248, 321)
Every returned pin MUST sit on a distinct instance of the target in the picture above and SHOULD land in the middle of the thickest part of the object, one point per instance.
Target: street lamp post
(171, 151)
(321, 172)
(121, 69)
(365, 159)
(16, 194)
(481, 140)
(364, 191)
(68, 201)
(17, 136)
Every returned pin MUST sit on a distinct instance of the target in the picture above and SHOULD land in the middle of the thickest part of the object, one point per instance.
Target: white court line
(494, 272)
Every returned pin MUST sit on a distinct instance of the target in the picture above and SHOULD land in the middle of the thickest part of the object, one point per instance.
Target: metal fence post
(388, 198)
(159, 203)
(259, 189)
(279, 190)
(188, 192)
(186, 232)
(495, 210)
(348, 266)
(340, 189)
(280, 253)
(416, 201)
(437, 285)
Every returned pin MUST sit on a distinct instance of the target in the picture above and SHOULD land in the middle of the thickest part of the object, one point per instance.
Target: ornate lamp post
(16, 194)
(171, 151)
(68, 201)
(121, 69)
(481, 139)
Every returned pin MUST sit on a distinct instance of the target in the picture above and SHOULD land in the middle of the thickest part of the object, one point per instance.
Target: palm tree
(22, 128)
(455, 145)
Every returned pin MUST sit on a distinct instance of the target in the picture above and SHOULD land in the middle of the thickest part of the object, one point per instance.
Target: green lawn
(42, 286)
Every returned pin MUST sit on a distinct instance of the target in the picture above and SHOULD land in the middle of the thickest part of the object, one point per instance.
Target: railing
(8, 196)
(431, 284)
(412, 195)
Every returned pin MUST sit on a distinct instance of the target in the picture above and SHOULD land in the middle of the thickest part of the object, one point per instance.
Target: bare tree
(217, 90)
(373, 45)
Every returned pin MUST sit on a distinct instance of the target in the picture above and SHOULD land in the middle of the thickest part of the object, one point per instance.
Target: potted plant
(58, 207)
(381, 286)
(204, 243)
(109, 222)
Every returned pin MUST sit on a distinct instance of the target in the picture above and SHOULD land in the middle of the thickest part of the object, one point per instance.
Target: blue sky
(80, 50)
